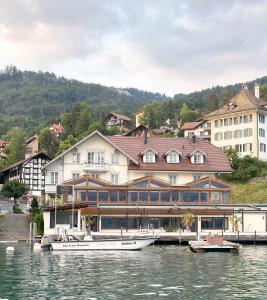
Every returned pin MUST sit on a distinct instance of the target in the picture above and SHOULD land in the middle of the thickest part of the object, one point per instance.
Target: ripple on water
(155, 272)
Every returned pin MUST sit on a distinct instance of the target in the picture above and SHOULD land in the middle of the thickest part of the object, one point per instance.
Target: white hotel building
(241, 124)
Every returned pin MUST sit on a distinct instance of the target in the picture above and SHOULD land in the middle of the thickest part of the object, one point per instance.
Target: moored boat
(214, 244)
(135, 243)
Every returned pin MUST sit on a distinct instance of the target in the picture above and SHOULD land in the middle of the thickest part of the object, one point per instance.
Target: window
(261, 132)
(235, 120)
(197, 158)
(114, 178)
(76, 157)
(173, 157)
(54, 177)
(250, 118)
(221, 122)
(196, 177)
(114, 158)
(238, 134)
(225, 122)
(96, 158)
(247, 132)
(149, 157)
(262, 119)
(172, 179)
(230, 121)
(218, 136)
(240, 119)
(216, 123)
(262, 147)
(245, 119)
(75, 175)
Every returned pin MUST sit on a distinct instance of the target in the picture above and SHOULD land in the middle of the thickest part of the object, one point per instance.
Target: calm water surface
(170, 272)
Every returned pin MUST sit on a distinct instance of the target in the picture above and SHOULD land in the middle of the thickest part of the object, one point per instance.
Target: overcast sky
(157, 45)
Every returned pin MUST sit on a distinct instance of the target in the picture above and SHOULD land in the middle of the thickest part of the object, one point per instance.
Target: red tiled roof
(191, 125)
(216, 160)
(58, 128)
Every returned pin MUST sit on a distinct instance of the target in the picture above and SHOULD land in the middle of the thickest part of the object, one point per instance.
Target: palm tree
(88, 223)
(188, 220)
(235, 221)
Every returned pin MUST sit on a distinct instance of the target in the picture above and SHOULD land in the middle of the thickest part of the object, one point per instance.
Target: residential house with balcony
(241, 124)
(129, 181)
(200, 129)
(118, 120)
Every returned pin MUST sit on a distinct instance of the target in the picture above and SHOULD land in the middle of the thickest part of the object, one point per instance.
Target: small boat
(88, 243)
(214, 244)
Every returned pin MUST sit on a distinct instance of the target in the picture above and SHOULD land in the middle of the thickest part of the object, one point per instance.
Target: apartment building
(241, 124)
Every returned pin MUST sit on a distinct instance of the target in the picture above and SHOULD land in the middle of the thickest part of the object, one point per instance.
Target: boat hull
(124, 244)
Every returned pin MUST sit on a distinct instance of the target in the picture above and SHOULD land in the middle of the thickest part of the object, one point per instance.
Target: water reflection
(171, 272)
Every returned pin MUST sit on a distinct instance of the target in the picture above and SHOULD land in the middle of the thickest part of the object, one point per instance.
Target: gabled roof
(31, 139)
(173, 149)
(141, 127)
(197, 150)
(191, 125)
(242, 101)
(120, 117)
(216, 160)
(85, 139)
(24, 161)
(149, 149)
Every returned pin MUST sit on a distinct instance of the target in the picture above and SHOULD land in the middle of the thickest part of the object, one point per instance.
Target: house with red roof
(57, 129)
(201, 129)
(115, 179)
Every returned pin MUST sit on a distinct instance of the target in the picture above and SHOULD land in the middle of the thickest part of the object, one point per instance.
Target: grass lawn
(254, 192)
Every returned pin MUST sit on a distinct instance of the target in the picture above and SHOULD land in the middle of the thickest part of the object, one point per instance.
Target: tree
(49, 143)
(187, 114)
(14, 189)
(244, 168)
(16, 149)
(235, 221)
(188, 220)
(152, 117)
(69, 141)
(212, 102)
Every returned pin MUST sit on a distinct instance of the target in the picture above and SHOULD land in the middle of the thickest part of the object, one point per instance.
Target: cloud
(167, 46)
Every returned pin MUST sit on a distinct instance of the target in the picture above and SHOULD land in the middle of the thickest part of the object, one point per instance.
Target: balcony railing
(103, 167)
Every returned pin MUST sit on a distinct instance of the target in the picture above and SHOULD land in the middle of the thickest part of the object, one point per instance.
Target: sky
(166, 46)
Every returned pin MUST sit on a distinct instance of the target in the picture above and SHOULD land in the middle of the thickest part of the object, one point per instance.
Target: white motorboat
(88, 243)
(135, 243)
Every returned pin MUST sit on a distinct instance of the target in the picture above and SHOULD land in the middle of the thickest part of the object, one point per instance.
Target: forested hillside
(32, 100)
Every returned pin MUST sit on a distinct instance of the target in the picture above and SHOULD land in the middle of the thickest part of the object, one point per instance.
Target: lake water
(170, 272)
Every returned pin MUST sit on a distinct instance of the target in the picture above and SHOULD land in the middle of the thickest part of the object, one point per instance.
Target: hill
(33, 100)
(199, 99)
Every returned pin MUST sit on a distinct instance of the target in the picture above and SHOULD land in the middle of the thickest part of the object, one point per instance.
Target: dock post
(180, 236)
(238, 236)
(255, 238)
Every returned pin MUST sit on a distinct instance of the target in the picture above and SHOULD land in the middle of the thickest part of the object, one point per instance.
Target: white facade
(107, 163)
(245, 132)
(200, 131)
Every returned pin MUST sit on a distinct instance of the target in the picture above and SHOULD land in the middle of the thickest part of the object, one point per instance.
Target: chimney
(145, 136)
(194, 139)
(257, 90)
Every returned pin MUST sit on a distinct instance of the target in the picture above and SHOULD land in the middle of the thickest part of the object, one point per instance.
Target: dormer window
(197, 156)
(173, 156)
(149, 156)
